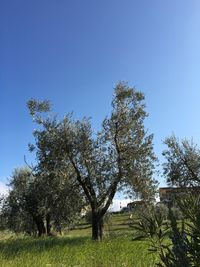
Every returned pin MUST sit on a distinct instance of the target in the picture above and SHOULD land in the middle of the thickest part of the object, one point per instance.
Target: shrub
(178, 245)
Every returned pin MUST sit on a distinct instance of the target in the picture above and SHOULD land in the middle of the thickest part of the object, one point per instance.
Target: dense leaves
(36, 204)
(176, 243)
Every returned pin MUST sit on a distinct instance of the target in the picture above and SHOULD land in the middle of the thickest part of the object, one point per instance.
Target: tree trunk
(40, 226)
(48, 225)
(97, 226)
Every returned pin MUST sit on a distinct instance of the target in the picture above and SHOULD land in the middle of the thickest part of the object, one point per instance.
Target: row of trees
(76, 166)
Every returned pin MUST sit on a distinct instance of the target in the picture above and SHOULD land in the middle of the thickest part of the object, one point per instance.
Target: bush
(177, 245)
(163, 210)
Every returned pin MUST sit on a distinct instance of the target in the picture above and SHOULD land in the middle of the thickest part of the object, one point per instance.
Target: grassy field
(76, 249)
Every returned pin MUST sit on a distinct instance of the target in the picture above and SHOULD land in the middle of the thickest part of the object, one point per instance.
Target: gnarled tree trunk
(40, 226)
(97, 225)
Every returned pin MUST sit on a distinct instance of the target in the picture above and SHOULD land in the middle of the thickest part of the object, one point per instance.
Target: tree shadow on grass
(82, 227)
(11, 248)
(121, 229)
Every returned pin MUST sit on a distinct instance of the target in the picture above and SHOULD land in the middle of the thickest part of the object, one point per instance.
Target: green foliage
(177, 245)
(151, 225)
(163, 210)
(119, 156)
(36, 200)
(178, 251)
(190, 208)
(15, 212)
(182, 166)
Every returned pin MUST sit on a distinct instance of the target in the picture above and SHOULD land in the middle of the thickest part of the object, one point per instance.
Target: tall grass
(77, 249)
(76, 252)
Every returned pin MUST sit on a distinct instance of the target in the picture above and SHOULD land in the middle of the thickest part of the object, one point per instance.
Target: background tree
(35, 203)
(14, 208)
(119, 155)
(182, 166)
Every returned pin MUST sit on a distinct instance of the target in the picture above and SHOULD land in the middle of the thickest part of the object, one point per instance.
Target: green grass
(77, 249)
(119, 225)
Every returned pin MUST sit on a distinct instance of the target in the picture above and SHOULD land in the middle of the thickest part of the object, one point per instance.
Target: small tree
(182, 166)
(35, 203)
(15, 209)
(121, 154)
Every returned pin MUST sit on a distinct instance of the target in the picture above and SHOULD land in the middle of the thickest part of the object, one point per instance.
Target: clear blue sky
(73, 52)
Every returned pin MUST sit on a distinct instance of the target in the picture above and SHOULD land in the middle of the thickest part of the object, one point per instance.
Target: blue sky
(73, 52)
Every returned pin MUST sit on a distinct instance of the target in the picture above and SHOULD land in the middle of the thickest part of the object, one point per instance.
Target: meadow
(76, 249)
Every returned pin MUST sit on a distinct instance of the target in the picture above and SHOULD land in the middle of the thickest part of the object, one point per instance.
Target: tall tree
(182, 166)
(121, 154)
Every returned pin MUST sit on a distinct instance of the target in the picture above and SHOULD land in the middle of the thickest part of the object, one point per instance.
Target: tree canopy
(119, 155)
(36, 203)
(182, 166)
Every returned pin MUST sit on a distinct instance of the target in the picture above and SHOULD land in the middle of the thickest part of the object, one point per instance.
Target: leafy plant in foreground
(151, 226)
(176, 245)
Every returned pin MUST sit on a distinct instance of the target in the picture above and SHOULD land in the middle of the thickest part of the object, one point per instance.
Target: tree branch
(113, 187)
(81, 182)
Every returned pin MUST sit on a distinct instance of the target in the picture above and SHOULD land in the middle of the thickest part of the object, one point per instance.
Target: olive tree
(182, 165)
(36, 203)
(120, 155)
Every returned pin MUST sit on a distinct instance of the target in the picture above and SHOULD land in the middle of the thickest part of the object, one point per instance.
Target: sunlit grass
(77, 249)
